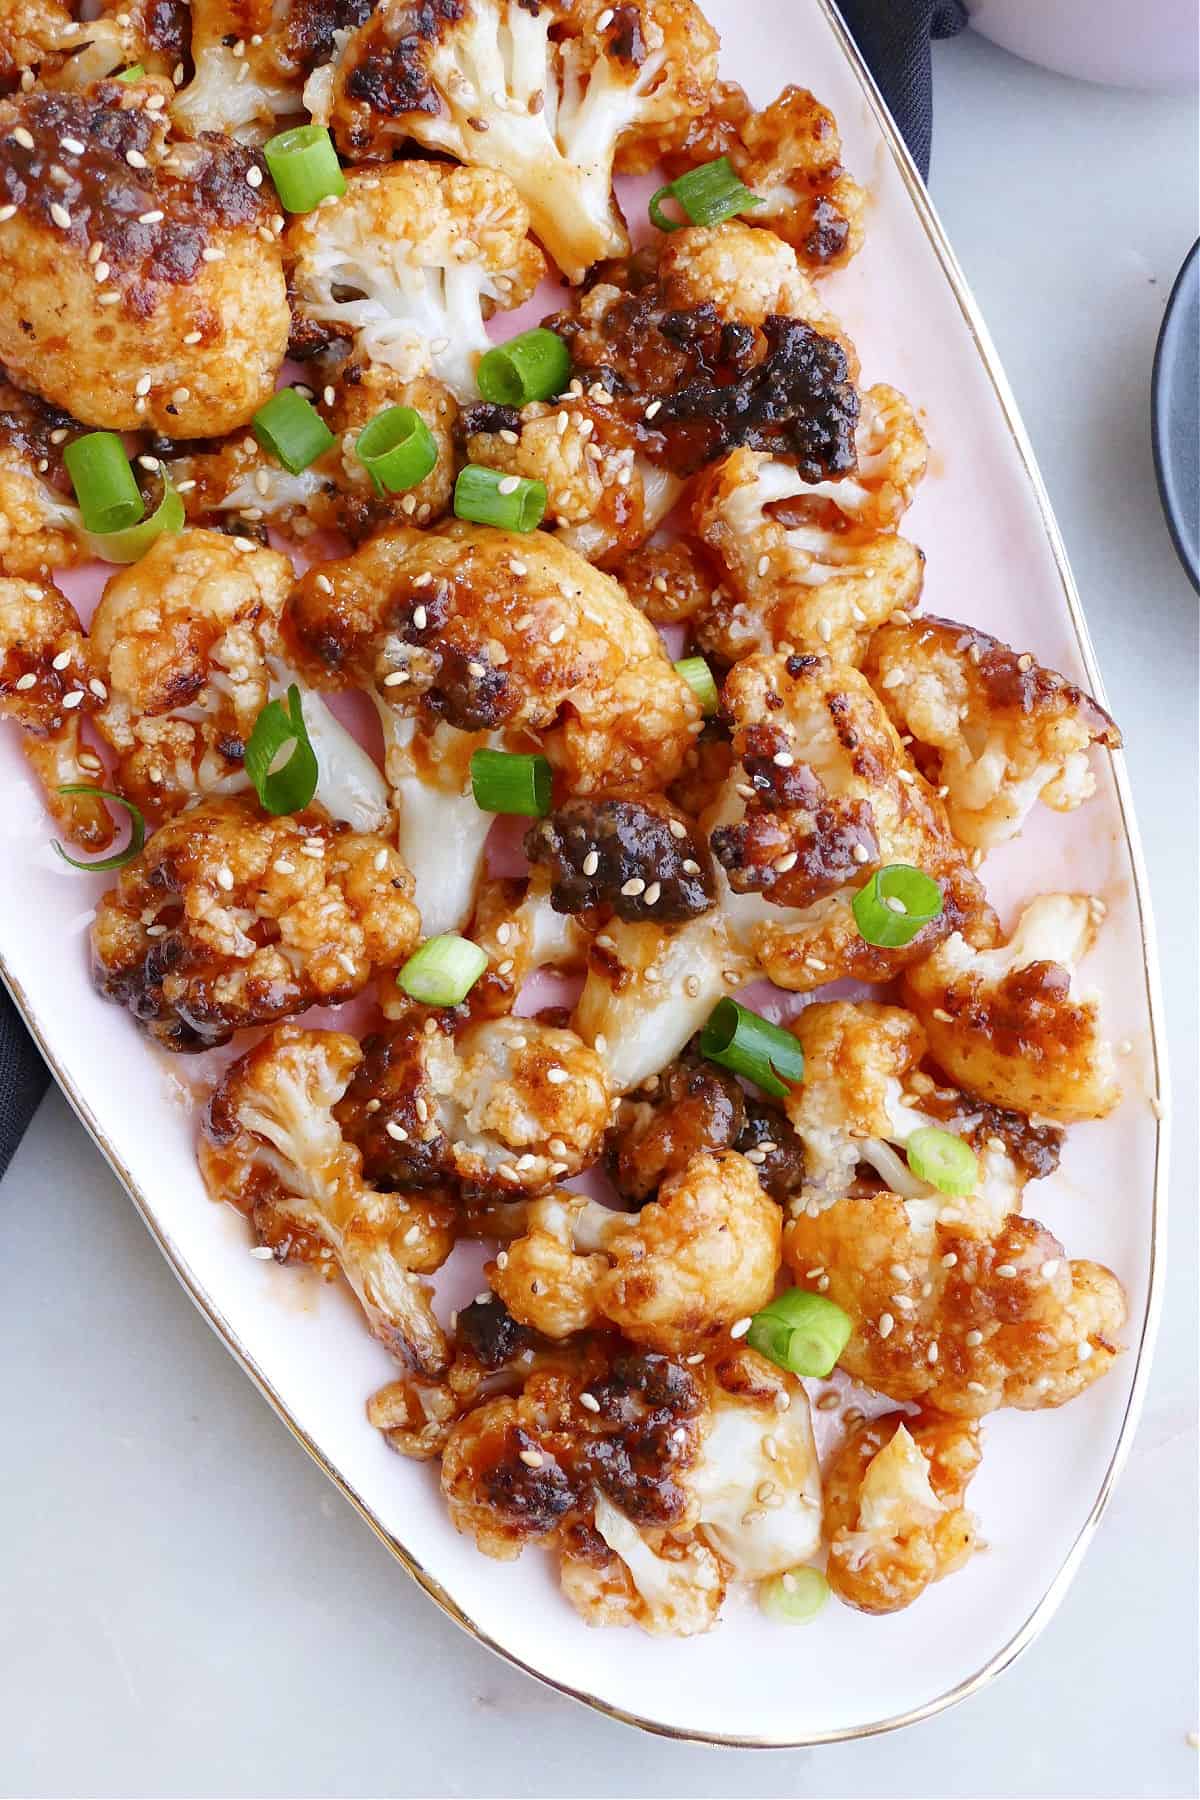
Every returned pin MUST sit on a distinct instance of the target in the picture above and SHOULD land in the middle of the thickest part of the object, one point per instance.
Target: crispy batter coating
(109, 271)
(802, 562)
(825, 794)
(670, 583)
(45, 687)
(500, 1106)
(953, 1310)
(410, 262)
(640, 858)
(545, 95)
(40, 526)
(894, 1513)
(270, 1147)
(1011, 1024)
(789, 154)
(998, 730)
(229, 918)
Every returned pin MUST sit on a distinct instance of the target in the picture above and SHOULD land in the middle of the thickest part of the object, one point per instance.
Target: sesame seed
(135, 159)
(254, 176)
(824, 630)
(973, 1339)
(589, 1402)
(397, 678)
(533, 1459)
(783, 864)
(653, 893)
(73, 699)
(756, 1156)
(396, 1131)
(782, 1399)
(591, 862)
(931, 1355)
(25, 682)
(72, 146)
(23, 137)
(211, 254)
(860, 854)
(556, 1076)
(509, 484)
(829, 1402)
(6, 213)
(282, 866)
(1083, 1350)
(263, 1252)
(143, 384)
(976, 1387)
(690, 866)
(98, 688)
(420, 617)
(153, 217)
(894, 903)
(422, 1109)
(60, 215)
(886, 1325)
(246, 545)
(225, 878)
(741, 1327)
(691, 986)
(904, 1302)
(764, 563)
(477, 670)
(62, 660)
(942, 1016)
(1006, 1271)
(635, 885)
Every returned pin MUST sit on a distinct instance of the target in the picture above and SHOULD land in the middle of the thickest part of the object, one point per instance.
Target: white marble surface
(186, 1607)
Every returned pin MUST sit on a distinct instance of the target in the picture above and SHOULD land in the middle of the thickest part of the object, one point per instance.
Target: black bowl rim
(1173, 318)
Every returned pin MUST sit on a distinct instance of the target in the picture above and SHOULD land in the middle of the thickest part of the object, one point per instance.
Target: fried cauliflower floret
(633, 859)
(614, 1575)
(823, 794)
(469, 636)
(271, 1147)
(602, 497)
(175, 237)
(520, 931)
(1011, 1024)
(40, 525)
(545, 96)
(789, 154)
(670, 583)
(249, 59)
(996, 729)
(186, 641)
(43, 39)
(894, 1513)
(500, 1106)
(45, 688)
(410, 261)
(798, 565)
(955, 1310)
(229, 918)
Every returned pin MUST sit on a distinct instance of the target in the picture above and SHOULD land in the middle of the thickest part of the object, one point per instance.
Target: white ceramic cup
(1150, 44)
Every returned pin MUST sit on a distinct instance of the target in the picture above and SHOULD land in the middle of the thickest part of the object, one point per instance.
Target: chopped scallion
(137, 831)
(290, 429)
(707, 195)
(504, 781)
(490, 497)
(750, 1045)
(795, 1597)
(284, 784)
(134, 72)
(801, 1332)
(103, 481)
(304, 167)
(131, 545)
(533, 366)
(943, 1160)
(699, 677)
(895, 905)
(397, 449)
(443, 971)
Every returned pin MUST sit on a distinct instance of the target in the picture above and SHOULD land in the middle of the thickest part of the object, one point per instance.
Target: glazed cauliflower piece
(669, 1590)
(701, 1256)
(410, 261)
(143, 293)
(894, 1513)
(997, 730)
(546, 97)
(186, 641)
(1011, 1024)
(270, 1147)
(955, 1309)
(633, 860)
(249, 59)
(798, 568)
(670, 583)
(40, 525)
(469, 636)
(229, 918)
(789, 154)
(498, 1107)
(46, 688)
(44, 39)
(822, 794)
(520, 931)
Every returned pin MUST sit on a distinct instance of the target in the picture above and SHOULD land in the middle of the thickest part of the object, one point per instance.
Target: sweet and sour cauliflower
(894, 1514)
(47, 687)
(821, 795)
(229, 918)
(270, 1147)
(249, 59)
(997, 730)
(140, 283)
(409, 262)
(40, 525)
(61, 48)
(468, 636)
(549, 95)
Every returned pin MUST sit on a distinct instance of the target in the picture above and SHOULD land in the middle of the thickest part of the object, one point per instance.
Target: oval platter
(995, 559)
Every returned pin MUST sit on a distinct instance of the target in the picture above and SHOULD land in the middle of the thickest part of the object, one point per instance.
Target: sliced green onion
(397, 449)
(284, 786)
(443, 971)
(533, 366)
(897, 903)
(707, 195)
(304, 167)
(130, 545)
(290, 429)
(699, 677)
(103, 481)
(750, 1045)
(943, 1160)
(795, 1597)
(801, 1332)
(505, 782)
(137, 831)
(492, 498)
(134, 72)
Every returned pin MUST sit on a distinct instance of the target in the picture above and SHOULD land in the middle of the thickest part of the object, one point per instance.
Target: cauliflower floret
(186, 641)
(520, 931)
(894, 1513)
(140, 293)
(998, 730)
(1010, 1023)
(270, 1147)
(45, 687)
(500, 1106)
(544, 94)
(668, 582)
(470, 636)
(249, 59)
(809, 574)
(228, 918)
(824, 795)
(43, 38)
(635, 859)
(40, 525)
(669, 1589)
(602, 497)
(789, 154)
(410, 261)
(954, 1310)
